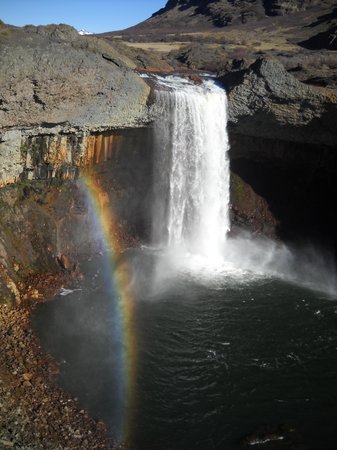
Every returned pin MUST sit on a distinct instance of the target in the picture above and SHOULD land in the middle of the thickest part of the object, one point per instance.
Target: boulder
(53, 76)
(268, 102)
(66, 263)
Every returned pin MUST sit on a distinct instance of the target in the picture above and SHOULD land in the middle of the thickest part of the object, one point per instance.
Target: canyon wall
(88, 112)
(70, 105)
(47, 222)
(283, 154)
(56, 83)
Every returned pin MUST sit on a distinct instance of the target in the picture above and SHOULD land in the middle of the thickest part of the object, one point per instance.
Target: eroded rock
(268, 102)
(51, 75)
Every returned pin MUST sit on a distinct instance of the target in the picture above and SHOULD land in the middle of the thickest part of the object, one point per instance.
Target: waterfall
(191, 173)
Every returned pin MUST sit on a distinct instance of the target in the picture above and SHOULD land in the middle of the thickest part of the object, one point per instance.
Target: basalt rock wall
(67, 104)
(290, 196)
(48, 221)
(283, 154)
(57, 89)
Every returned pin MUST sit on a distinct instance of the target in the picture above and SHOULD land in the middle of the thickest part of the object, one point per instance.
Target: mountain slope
(198, 15)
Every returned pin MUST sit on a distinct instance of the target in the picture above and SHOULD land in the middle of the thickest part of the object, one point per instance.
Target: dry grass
(262, 39)
(162, 47)
(231, 39)
(240, 42)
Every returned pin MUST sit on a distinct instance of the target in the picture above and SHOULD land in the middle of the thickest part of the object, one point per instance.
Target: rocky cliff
(64, 101)
(267, 101)
(54, 82)
(46, 219)
(283, 154)
(268, 7)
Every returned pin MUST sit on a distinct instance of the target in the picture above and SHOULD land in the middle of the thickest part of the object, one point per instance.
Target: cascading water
(191, 208)
(191, 196)
(214, 352)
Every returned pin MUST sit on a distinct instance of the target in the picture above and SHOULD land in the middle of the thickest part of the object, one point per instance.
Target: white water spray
(191, 202)
(191, 167)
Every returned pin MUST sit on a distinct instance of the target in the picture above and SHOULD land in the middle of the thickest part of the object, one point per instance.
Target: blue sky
(93, 15)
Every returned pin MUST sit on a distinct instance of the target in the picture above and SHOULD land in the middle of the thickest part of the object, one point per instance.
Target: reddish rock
(66, 263)
(27, 376)
(193, 77)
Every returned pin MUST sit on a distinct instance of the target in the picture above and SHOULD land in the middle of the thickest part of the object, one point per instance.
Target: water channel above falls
(217, 336)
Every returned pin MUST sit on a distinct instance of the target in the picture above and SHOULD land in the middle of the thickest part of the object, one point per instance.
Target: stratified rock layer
(62, 86)
(46, 222)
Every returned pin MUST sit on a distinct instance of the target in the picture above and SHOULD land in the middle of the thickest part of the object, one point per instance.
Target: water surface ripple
(214, 363)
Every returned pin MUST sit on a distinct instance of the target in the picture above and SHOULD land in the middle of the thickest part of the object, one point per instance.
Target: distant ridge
(198, 15)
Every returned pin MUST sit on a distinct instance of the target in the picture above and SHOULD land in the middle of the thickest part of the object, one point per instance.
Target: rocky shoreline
(34, 412)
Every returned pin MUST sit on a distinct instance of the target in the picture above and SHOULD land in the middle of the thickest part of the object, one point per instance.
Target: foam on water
(64, 292)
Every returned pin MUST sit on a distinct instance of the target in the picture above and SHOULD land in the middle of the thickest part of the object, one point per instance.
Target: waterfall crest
(191, 182)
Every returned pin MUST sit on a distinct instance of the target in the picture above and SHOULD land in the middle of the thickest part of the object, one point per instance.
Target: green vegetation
(34, 150)
(4, 29)
(24, 151)
(34, 190)
(36, 154)
(238, 189)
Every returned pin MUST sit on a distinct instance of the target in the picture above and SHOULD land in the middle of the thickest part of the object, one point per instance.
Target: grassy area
(253, 40)
(240, 43)
(163, 47)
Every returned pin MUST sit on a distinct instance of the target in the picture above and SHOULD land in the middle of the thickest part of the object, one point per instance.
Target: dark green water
(215, 361)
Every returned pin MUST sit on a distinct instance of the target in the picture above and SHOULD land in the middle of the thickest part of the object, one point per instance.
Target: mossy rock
(238, 190)
(6, 296)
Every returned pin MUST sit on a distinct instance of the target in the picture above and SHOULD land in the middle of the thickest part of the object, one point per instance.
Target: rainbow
(118, 279)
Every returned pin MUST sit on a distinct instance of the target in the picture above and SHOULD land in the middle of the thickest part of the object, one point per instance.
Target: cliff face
(62, 98)
(56, 83)
(46, 222)
(283, 154)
